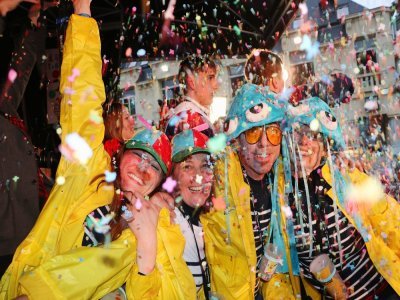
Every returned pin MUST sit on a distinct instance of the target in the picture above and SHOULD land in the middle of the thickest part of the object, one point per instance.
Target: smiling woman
(193, 172)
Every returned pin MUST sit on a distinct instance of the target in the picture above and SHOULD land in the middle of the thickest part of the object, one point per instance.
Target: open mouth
(135, 178)
(200, 189)
(262, 156)
(195, 189)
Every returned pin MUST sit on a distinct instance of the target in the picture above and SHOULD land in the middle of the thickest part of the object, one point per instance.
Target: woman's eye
(155, 167)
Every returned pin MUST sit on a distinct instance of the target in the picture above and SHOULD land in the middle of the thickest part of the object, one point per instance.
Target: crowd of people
(161, 214)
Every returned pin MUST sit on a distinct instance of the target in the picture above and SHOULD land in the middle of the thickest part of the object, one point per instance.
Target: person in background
(264, 68)
(21, 184)
(199, 76)
(356, 240)
(119, 127)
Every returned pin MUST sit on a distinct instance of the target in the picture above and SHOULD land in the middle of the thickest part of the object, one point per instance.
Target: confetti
(169, 185)
(12, 75)
(75, 148)
(138, 204)
(60, 180)
(219, 203)
(110, 176)
(217, 143)
(311, 49)
(199, 178)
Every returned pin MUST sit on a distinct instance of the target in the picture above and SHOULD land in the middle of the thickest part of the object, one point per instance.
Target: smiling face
(194, 176)
(140, 172)
(311, 149)
(258, 158)
(128, 124)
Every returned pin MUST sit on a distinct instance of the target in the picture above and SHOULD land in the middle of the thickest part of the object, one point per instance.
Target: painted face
(205, 85)
(310, 145)
(194, 176)
(128, 124)
(258, 158)
(140, 172)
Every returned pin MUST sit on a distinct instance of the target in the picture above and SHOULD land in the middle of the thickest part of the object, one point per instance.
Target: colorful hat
(154, 142)
(315, 113)
(252, 106)
(187, 143)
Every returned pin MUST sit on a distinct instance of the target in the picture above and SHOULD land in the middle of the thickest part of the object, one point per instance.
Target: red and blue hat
(154, 142)
(187, 143)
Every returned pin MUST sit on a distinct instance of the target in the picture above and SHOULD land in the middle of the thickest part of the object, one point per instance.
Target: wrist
(84, 15)
(83, 8)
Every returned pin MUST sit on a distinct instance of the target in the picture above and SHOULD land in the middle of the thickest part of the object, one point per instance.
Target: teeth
(263, 155)
(137, 179)
(195, 188)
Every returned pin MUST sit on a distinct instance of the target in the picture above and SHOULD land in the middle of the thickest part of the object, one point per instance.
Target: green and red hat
(154, 142)
(187, 143)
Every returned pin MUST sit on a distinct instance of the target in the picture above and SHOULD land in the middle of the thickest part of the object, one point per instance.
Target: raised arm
(81, 85)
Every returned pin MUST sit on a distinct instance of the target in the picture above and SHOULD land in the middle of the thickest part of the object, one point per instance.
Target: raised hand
(144, 227)
(82, 7)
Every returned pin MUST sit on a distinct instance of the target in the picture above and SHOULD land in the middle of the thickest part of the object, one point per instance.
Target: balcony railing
(368, 82)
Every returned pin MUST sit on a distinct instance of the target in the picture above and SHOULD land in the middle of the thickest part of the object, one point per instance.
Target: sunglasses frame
(264, 129)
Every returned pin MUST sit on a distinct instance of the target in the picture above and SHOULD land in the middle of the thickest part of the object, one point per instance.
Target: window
(342, 11)
(170, 88)
(128, 99)
(236, 75)
(301, 70)
(146, 73)
(296, 23)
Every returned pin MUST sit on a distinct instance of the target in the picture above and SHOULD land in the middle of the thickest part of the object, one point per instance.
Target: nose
(263, 142)
(144, 165)
(304, 140)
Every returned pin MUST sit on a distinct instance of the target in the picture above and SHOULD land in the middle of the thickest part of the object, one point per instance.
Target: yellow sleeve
(143, 286)
(82, 92)
(171, 277)
(82, 273)
(81, 84)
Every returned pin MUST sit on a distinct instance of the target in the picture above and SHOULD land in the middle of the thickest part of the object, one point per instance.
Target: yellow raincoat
(230, 247)
(381, 220)
(50, 263)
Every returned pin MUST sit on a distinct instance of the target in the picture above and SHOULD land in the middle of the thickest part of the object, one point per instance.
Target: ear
(275, 84)
(190, 82)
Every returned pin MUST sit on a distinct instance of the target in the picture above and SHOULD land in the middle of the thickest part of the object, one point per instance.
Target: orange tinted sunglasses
(273, 133)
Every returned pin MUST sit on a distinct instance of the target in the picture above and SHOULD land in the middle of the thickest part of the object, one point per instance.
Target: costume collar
(201, 107)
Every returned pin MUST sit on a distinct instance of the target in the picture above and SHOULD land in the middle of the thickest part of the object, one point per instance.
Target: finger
(32, 1)
(163, 200)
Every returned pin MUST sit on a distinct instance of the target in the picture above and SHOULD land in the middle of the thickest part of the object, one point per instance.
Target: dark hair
(195, 63)
(113, 121)
(261, 66)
